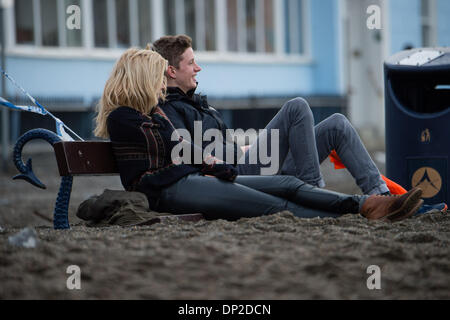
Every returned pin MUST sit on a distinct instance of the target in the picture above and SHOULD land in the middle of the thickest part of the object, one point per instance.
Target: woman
(141, 136)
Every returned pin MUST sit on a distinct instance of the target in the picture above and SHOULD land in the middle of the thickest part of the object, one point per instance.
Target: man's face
(187, 71)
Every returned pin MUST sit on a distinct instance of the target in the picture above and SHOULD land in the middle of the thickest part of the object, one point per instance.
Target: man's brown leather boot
(392, 208)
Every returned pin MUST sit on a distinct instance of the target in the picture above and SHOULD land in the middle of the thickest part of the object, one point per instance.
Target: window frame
(221, 54)
(429, 21)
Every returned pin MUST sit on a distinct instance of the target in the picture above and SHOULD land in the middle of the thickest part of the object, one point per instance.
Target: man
(302, 146)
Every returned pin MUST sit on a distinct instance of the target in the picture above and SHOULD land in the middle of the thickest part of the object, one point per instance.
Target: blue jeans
(303, 146)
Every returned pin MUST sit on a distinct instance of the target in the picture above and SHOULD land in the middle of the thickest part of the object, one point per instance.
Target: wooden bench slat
(85, 158)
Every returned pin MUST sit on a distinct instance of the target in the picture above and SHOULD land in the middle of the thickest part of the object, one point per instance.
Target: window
(24, 21)
(190, 18)
(196, 18)
(428, 13)
(293, 26)
(231, 27)
(42, 23)
(269, 27)
(210, 26)
(171, 15)
(71, 37)
(145, 26)
(49, 23)
(100, 23)
(250, 25)
(232, 24)
(122, 23)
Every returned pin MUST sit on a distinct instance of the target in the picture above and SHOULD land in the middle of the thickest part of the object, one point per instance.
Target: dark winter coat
(142, 148)
(184, 109)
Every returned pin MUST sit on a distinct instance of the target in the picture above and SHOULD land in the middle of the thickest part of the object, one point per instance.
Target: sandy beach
(271, 257)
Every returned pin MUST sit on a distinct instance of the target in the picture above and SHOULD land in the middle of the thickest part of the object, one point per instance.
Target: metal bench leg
(61, 212)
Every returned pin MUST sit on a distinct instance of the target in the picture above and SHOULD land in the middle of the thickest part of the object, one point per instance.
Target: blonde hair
(135, 81)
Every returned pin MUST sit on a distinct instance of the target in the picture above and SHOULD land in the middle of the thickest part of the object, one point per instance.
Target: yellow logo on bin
(425, 137)
(429, 180)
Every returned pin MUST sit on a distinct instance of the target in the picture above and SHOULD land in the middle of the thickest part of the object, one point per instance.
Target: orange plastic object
(394, 188)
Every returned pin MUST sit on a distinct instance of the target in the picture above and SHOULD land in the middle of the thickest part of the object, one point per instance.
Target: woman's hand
(222, 171)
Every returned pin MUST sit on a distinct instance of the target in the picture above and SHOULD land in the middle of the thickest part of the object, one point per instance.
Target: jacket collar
(196, 100)
(177, 90)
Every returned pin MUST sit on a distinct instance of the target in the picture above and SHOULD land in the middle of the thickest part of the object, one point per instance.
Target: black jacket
(142, 154)
(183, 109)
(142, 149)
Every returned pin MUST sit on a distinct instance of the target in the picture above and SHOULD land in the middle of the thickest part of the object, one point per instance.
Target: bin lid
(421, 58)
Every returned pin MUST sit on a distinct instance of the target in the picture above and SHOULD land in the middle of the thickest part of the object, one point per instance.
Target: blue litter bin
(417, 101)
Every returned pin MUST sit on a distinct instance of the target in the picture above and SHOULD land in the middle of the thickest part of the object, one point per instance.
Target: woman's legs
(217, 199)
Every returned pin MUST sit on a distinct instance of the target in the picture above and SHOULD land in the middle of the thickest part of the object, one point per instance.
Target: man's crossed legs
(303, 146)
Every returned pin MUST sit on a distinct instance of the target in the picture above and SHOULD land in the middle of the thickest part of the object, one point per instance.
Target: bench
(74, 158)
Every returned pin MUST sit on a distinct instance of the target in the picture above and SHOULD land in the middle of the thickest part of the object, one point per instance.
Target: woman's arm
(209, 166)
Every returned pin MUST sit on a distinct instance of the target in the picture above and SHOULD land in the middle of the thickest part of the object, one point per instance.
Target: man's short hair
(172, 48)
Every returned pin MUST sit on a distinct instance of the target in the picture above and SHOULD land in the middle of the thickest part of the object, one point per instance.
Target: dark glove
(222, 171)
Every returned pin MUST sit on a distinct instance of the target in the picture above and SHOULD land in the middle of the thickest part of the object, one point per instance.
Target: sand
(272, 257)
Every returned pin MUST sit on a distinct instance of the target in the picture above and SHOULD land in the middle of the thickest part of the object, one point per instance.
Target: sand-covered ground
(271, 257)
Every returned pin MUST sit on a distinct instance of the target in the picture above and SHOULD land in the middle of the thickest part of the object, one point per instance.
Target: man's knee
(298, 107)
(339, 121)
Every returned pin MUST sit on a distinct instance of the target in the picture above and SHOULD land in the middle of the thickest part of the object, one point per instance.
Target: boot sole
(409, 207)
(409, 214)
